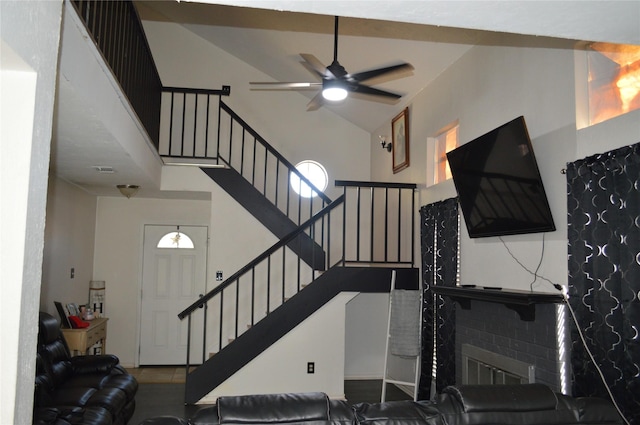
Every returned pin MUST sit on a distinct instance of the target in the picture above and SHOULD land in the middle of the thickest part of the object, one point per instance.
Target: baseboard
(363, 378)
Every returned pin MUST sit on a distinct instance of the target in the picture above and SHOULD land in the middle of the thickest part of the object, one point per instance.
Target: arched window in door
(176, 240)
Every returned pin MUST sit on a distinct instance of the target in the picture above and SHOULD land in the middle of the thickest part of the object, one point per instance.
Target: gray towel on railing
(404, 328)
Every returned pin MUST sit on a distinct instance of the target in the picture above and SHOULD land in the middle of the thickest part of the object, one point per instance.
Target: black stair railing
(370, 223)
(264, 284)
(356, 229)
(117, 32)
(197, 125)
(381, 218)
(243, 149)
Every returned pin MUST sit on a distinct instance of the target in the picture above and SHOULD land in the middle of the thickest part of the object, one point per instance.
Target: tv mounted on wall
(498, 183)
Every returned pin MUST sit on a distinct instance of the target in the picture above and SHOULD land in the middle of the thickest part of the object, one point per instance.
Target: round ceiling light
(334, 91)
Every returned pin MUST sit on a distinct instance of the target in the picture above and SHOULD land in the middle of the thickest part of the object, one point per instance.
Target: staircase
(286, 317)
(325, 246)
(267, 213)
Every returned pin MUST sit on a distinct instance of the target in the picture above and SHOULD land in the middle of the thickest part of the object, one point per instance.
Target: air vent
(103, 169)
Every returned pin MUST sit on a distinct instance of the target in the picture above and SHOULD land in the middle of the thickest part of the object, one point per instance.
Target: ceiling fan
(337, 82)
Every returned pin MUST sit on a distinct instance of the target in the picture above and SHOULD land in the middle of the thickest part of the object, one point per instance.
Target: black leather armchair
(78, 390)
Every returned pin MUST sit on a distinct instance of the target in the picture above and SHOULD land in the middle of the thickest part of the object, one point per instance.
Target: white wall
(603, 137)
(283, 366)
(487, 87)
(30, 35)
(281, 118)
(236, 238)
(537, 83)
(366, 330)
(322, 136)
(118, 259)
(69, 243)
(89, 82)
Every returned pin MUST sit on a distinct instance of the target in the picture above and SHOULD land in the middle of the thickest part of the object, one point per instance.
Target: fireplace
(515, 335)
(498, 345)
(483, 367)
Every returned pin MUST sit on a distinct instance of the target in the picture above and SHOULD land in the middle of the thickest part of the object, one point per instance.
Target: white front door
(173, 277)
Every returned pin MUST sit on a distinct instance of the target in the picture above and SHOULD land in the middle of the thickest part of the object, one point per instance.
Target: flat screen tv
(498, 183)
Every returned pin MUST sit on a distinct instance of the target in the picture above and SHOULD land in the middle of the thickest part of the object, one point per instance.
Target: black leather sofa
(78, 390)
(531, 404)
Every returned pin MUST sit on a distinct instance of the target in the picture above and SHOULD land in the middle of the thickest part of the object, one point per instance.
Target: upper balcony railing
(117, 32)
(379, 223)
(198, 126)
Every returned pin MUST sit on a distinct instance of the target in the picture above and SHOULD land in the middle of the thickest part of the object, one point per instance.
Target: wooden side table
(80, 340)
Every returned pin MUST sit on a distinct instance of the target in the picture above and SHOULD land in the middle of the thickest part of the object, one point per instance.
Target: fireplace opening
(482, 367)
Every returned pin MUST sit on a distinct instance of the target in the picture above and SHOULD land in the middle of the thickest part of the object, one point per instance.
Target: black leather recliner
(78, 390)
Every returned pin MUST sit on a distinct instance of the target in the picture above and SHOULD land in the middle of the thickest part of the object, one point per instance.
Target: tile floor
(159, 375)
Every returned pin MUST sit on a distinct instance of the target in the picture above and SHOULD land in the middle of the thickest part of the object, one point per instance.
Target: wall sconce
(384, 144)
(128, 190)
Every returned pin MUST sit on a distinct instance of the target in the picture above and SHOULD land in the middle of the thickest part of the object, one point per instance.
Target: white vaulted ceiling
(430, 35)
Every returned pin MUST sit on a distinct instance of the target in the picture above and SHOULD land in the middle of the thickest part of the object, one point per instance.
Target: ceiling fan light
(334, 91)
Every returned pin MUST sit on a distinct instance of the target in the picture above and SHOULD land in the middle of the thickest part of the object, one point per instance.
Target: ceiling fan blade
(389, 72)
(336, 75)
(311, 70)
(284, 86)
(316, 102)
(362, 89)
(313, 63)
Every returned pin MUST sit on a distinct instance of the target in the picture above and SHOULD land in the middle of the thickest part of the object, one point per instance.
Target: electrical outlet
(219, 275)
(73, 272)
(311, 367)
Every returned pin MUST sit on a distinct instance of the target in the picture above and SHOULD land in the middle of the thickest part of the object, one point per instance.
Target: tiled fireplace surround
(496, 328)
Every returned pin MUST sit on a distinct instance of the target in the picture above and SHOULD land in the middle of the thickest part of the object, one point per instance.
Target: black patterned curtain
(439, 248)
(604, 275)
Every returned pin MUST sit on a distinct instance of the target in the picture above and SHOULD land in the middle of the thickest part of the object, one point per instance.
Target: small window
(176, 240)
(446, 141)
(316, 174)
(613, 80)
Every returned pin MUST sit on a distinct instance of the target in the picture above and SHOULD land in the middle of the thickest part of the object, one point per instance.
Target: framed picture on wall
(400, 141)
